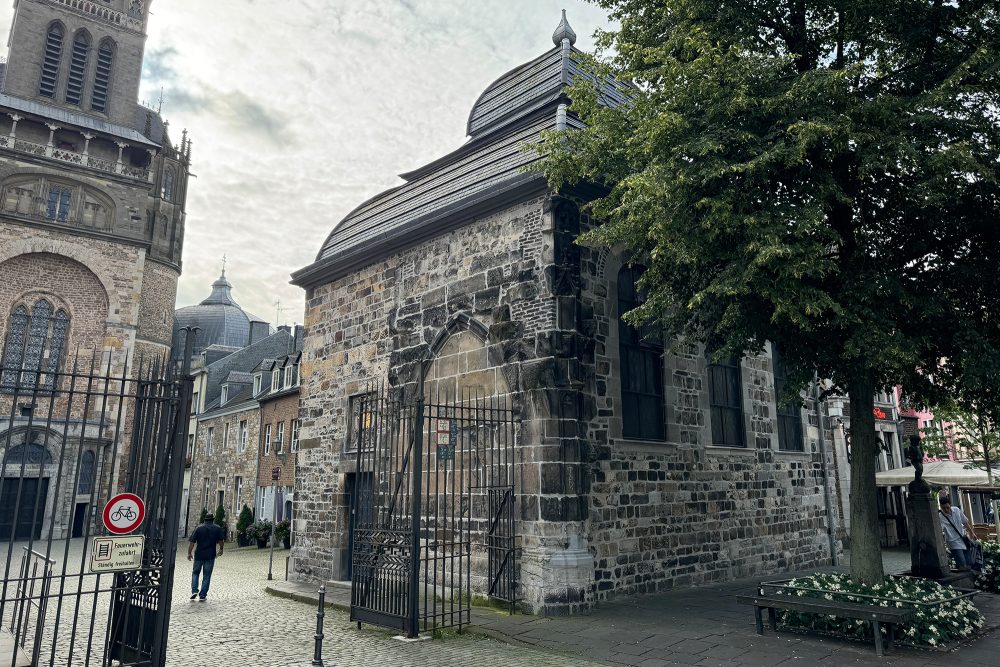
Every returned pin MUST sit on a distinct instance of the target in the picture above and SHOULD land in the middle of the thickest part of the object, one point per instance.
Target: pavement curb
(306, 598)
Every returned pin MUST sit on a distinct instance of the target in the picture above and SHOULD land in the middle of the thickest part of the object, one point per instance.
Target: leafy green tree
(819, 174)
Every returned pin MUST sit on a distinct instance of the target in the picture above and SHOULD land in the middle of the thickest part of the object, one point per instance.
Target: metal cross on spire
(223, 265)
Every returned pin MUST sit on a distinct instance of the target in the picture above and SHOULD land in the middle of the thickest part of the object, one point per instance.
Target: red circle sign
(124, 513)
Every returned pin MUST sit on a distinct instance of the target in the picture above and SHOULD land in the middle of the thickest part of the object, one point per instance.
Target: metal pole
(417, 468)
(318, 649)
(826, 477)
(274, 523)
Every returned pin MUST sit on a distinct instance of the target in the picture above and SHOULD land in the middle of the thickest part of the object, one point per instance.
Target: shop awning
(938, 473)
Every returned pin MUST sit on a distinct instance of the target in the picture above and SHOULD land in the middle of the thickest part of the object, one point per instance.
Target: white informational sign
(114, 554)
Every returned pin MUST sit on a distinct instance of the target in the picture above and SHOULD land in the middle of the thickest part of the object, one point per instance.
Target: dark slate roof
(485, 174)
(245, 360)
(222, 322)
(68, 117)
(239, 377)
(157, 128)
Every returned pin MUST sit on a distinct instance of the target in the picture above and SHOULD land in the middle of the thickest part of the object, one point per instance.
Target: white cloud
(301, 110)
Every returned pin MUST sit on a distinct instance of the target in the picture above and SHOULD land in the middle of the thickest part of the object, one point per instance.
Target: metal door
(121, 422)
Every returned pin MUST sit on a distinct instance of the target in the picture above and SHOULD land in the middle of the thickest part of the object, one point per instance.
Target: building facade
(92, 197)
(638, 466)
(279, 442)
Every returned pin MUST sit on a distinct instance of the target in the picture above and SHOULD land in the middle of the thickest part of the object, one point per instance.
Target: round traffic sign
(124, 513)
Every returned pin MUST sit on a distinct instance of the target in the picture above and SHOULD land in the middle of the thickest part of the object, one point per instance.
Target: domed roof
(220, 320)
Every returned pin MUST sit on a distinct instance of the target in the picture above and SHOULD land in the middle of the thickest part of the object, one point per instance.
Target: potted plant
(283, 533)
(262, 532)
(244, 521)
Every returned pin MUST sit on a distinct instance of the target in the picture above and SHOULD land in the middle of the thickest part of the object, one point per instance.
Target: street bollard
(318, 651)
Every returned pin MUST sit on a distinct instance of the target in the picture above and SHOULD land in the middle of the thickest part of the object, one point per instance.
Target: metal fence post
(320, 613)
(417, 468)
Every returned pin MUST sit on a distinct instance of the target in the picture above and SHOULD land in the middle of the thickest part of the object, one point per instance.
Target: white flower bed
(933, 625)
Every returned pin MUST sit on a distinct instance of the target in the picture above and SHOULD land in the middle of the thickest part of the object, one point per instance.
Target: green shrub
(932, 626)
(244, 521)
(220, 519)
(203, 515)
(989, 579)
(282, 530)
(262, 530)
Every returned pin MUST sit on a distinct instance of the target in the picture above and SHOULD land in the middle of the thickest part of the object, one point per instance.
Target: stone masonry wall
(683, 512)
(282, 410)
(377, 324)
(225, 463)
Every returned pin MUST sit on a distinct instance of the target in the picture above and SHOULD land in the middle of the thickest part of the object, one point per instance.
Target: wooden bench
(877, 616)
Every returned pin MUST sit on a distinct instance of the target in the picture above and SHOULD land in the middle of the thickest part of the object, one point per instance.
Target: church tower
(92, 199)
(92, 187)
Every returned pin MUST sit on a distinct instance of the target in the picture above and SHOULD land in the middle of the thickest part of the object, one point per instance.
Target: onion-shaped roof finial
(564, 31)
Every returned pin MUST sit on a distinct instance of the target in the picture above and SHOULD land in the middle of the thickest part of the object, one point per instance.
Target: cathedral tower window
(34, 347)
(168, 184)
(78, 67)
(641, 360)
(59, 203)
(102, 76)
(50, 64)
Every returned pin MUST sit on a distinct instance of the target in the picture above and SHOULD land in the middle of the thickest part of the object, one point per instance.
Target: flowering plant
(932, 625)
(989, 578)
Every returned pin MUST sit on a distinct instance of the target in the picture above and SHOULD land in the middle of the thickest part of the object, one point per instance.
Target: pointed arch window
(641, 361)
(102, 76)
(88, 465)
(168, 184)
(34, 348)
(78, 67)
(50, 63)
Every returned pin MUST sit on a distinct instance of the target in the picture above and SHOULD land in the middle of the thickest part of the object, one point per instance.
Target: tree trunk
(866, 554)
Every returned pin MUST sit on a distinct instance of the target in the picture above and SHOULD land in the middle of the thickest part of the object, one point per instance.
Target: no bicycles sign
(124, 513)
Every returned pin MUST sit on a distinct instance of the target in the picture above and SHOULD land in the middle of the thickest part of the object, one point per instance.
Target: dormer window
(291, 376)
(275, 379)
(258, 381)
(225, 394)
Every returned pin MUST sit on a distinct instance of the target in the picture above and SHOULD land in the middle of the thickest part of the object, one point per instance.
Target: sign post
(275, 474)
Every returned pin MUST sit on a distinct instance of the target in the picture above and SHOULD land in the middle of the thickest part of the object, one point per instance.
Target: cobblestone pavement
(241, 625)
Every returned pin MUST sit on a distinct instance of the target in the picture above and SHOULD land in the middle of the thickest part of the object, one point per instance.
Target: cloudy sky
(301, 110)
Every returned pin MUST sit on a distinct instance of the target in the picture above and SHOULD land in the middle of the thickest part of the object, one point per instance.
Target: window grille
(78, 68)
(362, 422)
(102, 76)
(50, 63)
(641, 362)
(726, 400)
(789, 418)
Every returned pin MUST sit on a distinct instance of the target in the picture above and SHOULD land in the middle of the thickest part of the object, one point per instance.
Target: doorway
(22, 507)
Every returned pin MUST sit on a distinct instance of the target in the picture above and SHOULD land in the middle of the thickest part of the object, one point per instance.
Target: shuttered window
(50, 63)
(789, 418)
(102, 76)
(78, 68)
(725, 397)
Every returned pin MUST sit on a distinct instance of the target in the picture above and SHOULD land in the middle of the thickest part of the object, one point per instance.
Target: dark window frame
(640, 364)
(725, 398)
(355, 403)
(51, 60)
(79, 59)
(788, 417)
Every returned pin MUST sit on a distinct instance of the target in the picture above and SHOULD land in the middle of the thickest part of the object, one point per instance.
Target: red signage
(880, 413)
(124, 513)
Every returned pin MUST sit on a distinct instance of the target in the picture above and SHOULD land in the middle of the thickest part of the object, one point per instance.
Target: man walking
(955, 525)
(202, 543)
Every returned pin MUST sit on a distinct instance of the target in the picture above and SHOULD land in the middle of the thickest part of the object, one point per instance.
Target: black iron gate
(433, 523)
(69, 441)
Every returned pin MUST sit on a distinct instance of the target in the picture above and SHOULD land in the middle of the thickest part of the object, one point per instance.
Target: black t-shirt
(205, 537)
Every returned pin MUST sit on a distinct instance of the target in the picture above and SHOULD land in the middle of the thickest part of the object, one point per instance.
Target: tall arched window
(88, 465)
(78, 67)
(641, 356)
(102, 75)
(34, 348)
(50, 64)
(168, 184)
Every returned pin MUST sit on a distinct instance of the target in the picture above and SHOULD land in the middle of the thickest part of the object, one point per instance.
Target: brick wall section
(282, 409)
(225, 461)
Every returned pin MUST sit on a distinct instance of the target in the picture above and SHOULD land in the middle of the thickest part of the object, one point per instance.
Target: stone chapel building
(92, 195)
(640, 467)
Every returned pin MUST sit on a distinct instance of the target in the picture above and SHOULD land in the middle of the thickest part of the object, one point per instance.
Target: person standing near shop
(955, 525)
(201, 545)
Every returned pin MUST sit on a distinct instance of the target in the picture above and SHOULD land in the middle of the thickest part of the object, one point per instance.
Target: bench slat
(818, 606)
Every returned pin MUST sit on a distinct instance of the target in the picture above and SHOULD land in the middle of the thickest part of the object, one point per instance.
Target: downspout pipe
(827, 498)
